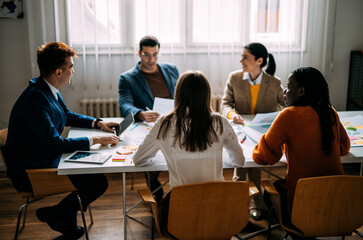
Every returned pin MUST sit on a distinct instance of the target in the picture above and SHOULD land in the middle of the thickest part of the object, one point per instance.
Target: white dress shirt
(257, 81)
(191, 167)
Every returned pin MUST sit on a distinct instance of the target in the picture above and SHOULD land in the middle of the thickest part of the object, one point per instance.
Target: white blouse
(191, 167)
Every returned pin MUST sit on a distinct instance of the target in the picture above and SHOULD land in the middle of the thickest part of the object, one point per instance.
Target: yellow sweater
(254, 90)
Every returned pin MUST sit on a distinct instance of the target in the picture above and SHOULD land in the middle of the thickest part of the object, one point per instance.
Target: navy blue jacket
(36, 122)
(134, 92)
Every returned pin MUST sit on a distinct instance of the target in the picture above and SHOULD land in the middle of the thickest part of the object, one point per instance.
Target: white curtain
(206, 35)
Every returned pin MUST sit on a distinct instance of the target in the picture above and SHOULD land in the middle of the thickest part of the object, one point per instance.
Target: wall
(14, 65)
(348, 37)
(15, 68)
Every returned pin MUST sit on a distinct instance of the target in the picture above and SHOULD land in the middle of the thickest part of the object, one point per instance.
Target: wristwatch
(96, 123)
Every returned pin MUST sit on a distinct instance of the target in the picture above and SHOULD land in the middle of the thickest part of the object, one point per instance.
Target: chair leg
(25, 210)
(83, 218)
(19, 218)
(343, 237)
(269, 223)
(25, 205)
(358, 233)
(90, 214)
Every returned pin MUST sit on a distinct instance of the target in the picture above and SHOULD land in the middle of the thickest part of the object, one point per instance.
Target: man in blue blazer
(139, 86)
(34, 137)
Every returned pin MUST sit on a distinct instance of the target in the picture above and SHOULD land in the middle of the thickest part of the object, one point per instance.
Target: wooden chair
(209, 210)
(323, 206)
(45, 182)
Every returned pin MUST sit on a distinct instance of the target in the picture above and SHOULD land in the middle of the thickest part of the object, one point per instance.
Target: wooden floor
(107, 212)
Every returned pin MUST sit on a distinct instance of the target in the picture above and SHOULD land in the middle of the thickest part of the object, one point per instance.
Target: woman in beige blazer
(249, 91)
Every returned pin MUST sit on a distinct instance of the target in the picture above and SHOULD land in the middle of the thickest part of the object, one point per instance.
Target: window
(187, 23)
(278, 22)
(216, 21)
(268, 16)
(94, 21)
(160, 18)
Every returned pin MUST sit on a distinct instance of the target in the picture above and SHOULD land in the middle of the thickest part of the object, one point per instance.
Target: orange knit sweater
(297, 130)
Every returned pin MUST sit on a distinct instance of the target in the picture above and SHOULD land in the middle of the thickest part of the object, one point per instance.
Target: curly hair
(52, 56)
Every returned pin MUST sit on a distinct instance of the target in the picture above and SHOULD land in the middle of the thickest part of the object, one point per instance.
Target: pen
(148, 109)
(108, 158)
(244, 138)
(134, 127)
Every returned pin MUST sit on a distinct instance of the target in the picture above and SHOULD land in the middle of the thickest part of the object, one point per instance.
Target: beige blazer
(237, 95)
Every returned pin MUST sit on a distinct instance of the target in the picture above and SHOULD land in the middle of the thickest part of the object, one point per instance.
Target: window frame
(275, 43)
(186, 45)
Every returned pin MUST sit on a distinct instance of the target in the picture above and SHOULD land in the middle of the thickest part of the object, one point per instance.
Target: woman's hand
(237, 119)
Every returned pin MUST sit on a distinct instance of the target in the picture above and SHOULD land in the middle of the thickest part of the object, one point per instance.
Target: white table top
(136, 136)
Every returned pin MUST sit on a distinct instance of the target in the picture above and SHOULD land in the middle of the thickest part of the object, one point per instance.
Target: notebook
(128, 120)
(88, 157)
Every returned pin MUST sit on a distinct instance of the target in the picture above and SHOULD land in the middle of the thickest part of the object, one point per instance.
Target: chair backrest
(45, 182)
(3, 136)
(328, 206)
(210, 210)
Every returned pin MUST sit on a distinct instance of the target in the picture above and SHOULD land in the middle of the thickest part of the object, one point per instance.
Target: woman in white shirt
(191, 138)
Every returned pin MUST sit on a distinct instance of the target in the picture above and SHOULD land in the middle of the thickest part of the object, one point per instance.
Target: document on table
(163, 105)
(253, 134)
(354, 128)
(259, 125)
(262, 118)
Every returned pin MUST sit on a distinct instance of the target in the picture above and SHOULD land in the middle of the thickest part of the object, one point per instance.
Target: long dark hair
(259, 51)
(316, 95)
(194, 119)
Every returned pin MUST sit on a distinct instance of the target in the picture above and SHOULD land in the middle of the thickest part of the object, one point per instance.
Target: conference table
(135, 134)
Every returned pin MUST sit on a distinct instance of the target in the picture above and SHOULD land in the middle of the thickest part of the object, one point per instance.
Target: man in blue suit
(34, 137)
(139, 86)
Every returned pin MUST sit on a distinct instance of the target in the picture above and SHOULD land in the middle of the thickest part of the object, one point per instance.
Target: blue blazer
(36, 122)
(134, 92)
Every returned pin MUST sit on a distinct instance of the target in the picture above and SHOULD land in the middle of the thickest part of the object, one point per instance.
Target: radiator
(100, 107)
(108, 107)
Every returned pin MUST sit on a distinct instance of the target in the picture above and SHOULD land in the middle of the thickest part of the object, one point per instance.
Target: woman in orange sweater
(309, 131)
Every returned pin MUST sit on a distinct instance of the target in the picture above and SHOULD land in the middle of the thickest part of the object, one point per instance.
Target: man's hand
(237, 119)
(148, 116)
(106, 126)
(106, 139)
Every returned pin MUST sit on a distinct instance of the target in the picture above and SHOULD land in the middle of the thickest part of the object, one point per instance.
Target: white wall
(15, 68)
(18, 63)
(14, 65)
(348, 37)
